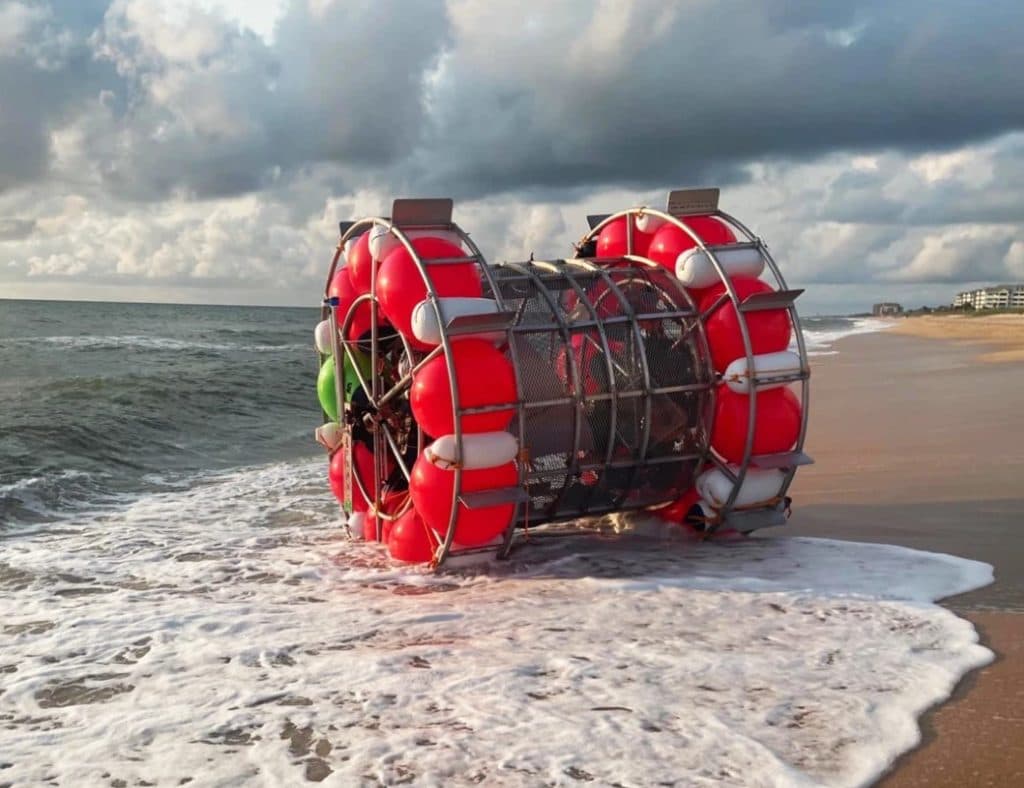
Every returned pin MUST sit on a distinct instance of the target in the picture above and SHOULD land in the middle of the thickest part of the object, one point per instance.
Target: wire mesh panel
(615, 382)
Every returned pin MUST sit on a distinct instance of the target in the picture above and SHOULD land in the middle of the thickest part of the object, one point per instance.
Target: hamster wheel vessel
(468, 403)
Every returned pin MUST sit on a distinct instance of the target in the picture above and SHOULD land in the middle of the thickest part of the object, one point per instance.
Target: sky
(168, 150)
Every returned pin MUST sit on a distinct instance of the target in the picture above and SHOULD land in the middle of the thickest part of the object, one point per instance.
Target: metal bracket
(429, 211)
(486, 498)
(683, 202)
(480, 324)
(751, 520)
(786, 459)
(781, 299)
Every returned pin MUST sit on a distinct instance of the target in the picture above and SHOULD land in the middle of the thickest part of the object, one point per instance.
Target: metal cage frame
(567, 272)
(688, 202)
(413, 216)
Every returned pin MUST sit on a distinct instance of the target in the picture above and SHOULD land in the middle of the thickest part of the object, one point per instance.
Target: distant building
(996, 297)
(887, 308)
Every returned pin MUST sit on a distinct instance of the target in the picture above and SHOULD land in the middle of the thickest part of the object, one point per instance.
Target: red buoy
(611, 241)
(483, 376)
(769, 329)
(400, 287)
(410, 541)
(432, 487)
(670, 241)
(342, 288)
(393, 500)
(359, 263)
(777, 425)
(676, 511)
(363, 459)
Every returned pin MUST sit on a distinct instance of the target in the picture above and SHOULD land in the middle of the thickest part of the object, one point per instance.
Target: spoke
(367, 387)
(396, 453)
(406, 379)
(711, 309)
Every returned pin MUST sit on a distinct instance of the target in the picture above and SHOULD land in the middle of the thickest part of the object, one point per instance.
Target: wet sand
(917, 442)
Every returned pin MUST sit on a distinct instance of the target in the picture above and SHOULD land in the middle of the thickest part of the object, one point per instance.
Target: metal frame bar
(562, 328)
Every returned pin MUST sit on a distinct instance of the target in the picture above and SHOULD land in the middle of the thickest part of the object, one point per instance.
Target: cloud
(46, 74)
(632, 92)
(17, 20)
(16, 229)
(164, 145)
(211, 110)
(429, 95)
(957, 255)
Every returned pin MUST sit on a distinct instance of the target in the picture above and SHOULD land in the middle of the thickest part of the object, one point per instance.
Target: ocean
(100, 402)
(178, 604)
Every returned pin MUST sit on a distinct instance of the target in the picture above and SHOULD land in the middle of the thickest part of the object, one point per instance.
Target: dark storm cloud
(160, 106)
(640, 98)
(218, 111)
(47, 74)
(484, 98)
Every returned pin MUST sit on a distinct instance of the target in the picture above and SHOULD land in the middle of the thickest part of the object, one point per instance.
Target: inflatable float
(467, 404)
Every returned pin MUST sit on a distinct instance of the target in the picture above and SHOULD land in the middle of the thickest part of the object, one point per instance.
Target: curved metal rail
(795, 457)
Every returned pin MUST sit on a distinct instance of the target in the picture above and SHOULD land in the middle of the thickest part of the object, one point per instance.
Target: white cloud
(16, 21)
(972, 166)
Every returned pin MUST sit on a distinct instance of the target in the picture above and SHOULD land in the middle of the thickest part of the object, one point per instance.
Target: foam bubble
(226, 633)
(819, 341)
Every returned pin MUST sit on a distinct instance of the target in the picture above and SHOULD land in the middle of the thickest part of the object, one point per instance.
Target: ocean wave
(146, 342)
(228, 629)
(47, 497)
(819, 341)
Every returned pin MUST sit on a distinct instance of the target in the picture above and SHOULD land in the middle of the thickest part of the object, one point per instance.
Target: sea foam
(228, 634)
(820, 338)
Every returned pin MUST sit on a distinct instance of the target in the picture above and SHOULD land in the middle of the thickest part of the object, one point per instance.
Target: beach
(180, 603)
(999, 337)
(915, 433)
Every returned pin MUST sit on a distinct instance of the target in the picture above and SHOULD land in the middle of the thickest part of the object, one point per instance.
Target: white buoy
(322, 337)
(356, 523)
(759, 486)
(424, 319)
(329, 435)
(480, 450)
(378, 235)
(695, 270)
(649, 223)
(783, 364)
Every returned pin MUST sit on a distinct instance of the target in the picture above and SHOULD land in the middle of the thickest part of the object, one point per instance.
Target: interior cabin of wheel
(469, 405)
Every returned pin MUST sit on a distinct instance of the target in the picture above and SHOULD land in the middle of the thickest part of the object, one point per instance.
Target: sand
(918, 442)
(1002, 335)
